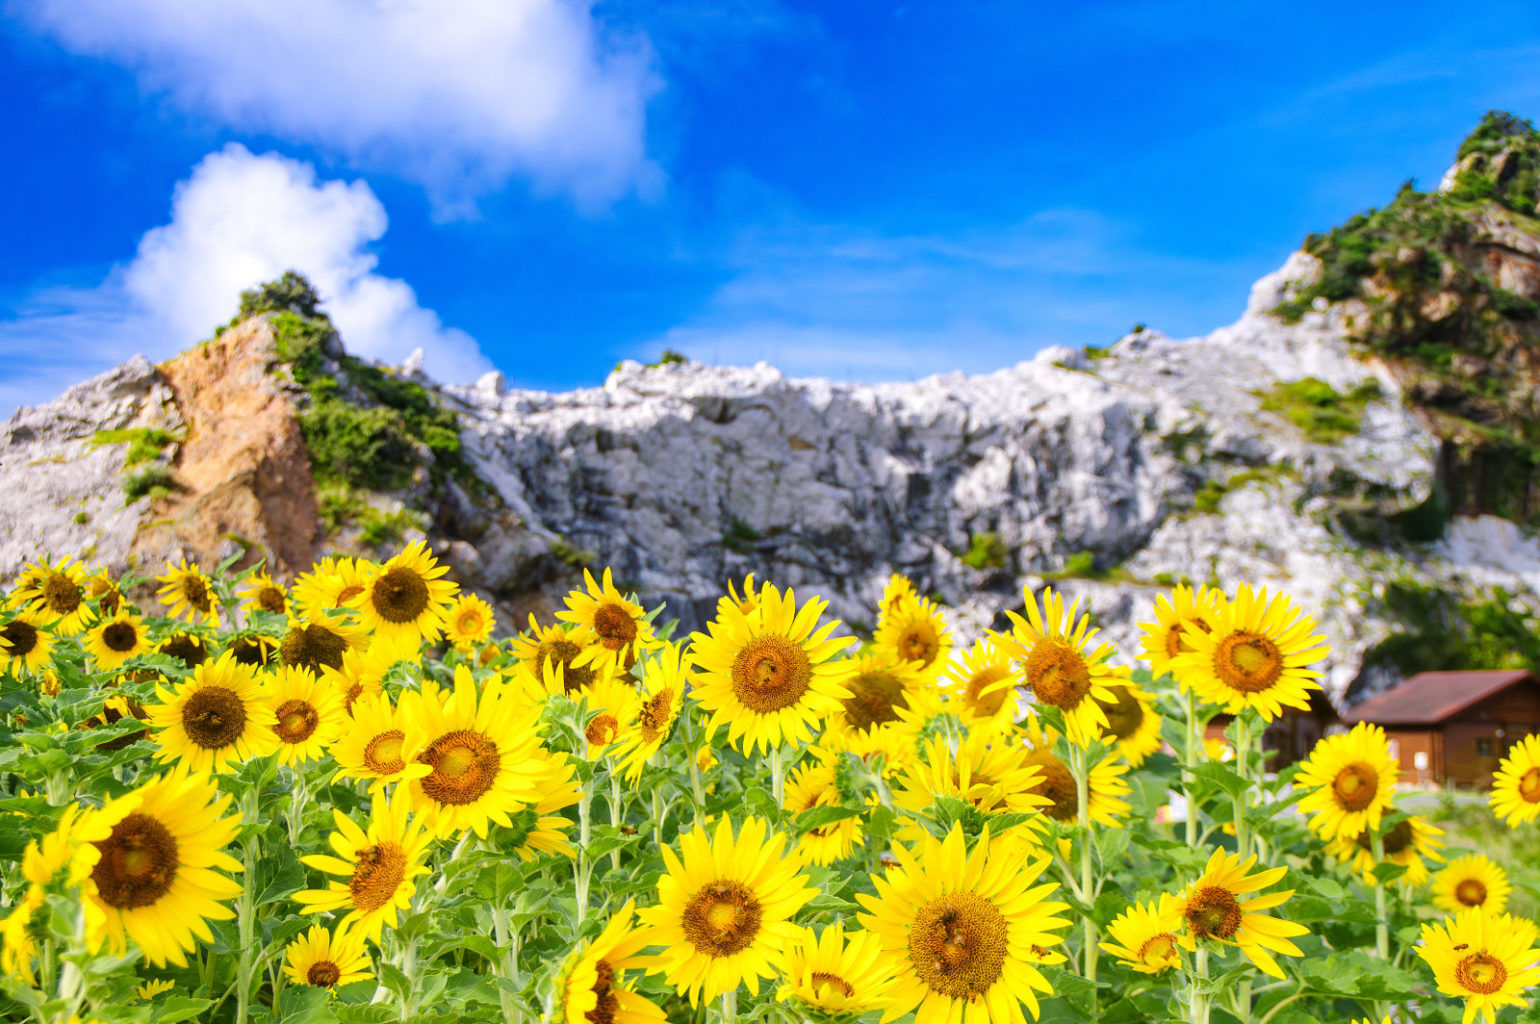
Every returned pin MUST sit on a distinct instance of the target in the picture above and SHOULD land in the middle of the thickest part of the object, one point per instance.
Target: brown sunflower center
(1471, 891)
(721, 919)
(1057, 674)
(1396, 840)
(1481, 973)
(564, 653)
(214, 717)
(1248, 662)
(62, 594)
(653, 717)
(120, 637)
(606, 1003)
(271, 599)
(919, 642)
(601, 731)
(138, 863)
(1213, 913)
(382, 754)
(1529, 786)
(614, 625)
(771, 672)
(1158, 949)
(978, 694)
(380, 870)
(1176, 641)
(186, 648)
(347, 594)
(958, 944)
(1355, 786)
(297, 721)
(20, 638)
(323, 973)
(196, 593)
(399, 595)
(465, 765)
(312, 646)
(875, 697)
(1057, 784)
(249, 650)
(823, 981)
(1124, 713)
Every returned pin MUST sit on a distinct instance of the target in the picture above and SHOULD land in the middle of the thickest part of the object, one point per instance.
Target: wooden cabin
(1292, 735)
(1453, 728)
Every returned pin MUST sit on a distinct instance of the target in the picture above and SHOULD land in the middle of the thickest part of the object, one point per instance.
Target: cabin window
(1484, 746)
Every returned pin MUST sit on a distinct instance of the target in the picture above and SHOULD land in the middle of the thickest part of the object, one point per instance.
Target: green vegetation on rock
(145, 444)
(1443, 630)
(740, 536)
(985, 551)
(1319, 410)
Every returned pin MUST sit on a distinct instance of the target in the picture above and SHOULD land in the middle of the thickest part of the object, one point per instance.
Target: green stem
(246, 909)
(1083, 795)
(584, 865)
(1198, 999)
(657, 815)
(730, 1007)
(1243, 1000)
(1243, 768)
(1190, 761)
(508, 942)
(1282, 1003)
(777, 777)
(1381, 915)
(617, 811)
(297, 798)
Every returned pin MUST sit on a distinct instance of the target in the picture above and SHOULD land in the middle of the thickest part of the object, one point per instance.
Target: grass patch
(1321, 412)
(573, 556)
(154, 481)
(381, 529)
(1097, 352)
(740, 536)
(985, 551)
(145, 444)
(82, 518)
(1081, 565)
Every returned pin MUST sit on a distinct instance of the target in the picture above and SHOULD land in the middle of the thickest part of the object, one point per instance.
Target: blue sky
(859, 190)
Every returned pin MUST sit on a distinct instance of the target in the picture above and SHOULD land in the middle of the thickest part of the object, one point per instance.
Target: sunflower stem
(246, 910)
(583, 866)
(1381, 916)
(1243, 768)
(508, 942)
(617, 815)
(298, 796)
(777, 777)
(730, 1007)
(1190, 761)
(657, 818)
(1197, 997)
(1080, 763)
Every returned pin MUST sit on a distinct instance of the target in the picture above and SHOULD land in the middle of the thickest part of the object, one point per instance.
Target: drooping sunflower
(1483, 957)
(188, 592)
(558, 788)
(1407, 843)
(1254, 656)
(327, 960)
(113, 641)
(309, 714)
(1144, 936)
(24, 643)
(468, 621)
(1515, 796)
(261, 592)
(1474, 880)
(255, 649)
(1133, 725)
(320, 641)
(835, 972)
(957, 928)
(880, 683)
(769, 678)
(619, 624)
(380, 865)
(1214, 907)
(335, 582)
(556, 645)
(813, 785)
(1054, 792)
(1059, 666)
(746, 602)
(724, 909)
(665, 677)
(220, 717)
(375, 744)
(914, 630)
(611, 704)
(1351, 782)
(158, 877)
(984, 681)
(190, 649)
(590, 988)
(482, 749)
(58, 594)
(895, 745)
(1183, 608)
(407, 595)
(104, 590)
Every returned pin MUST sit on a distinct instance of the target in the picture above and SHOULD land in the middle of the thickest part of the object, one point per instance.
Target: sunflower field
(239, 801)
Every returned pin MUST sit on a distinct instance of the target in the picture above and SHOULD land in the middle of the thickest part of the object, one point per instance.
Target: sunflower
(1484, 957)
(559, 646)
(65, 854)
(1407, 842)
(558, 788)
(188, 591)
(747, 602)
(468, 621)
(482, 752)
(769, 678)
(262, 592)
(104, 590)
(1473, 880)
(1058, 665)
(1212, 908)
(309, 712)
(321, 640)
(665, 678)
(957, 929)
(1055, 793)
(835, 973)
(898, 590)
(984, 682)
(1254, 656)
(58, 594)
(1516, 786)
(912, 629)
(327, 960)
(18, 944)
(724, 908)
(897, 746)
(376, 744)
(1184, 608)
(157, 877)
(335, 582)
(190, 649)
(1144, 936)
(381, 865)
(611, 704)
(255, 649)
(113, 641)
(879, 682)
(1350, 781)
(620, 625)
(990, 772)
(217, 719)
(407, 596)
(24, 643)
(813, 785)
(589, 988)
(1132, 724)
(363, 670)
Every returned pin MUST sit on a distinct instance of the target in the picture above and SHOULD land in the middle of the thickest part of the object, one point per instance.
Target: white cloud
(459, 95)
(240, 219)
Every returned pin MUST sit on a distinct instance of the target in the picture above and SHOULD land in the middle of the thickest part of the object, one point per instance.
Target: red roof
(1428, 698)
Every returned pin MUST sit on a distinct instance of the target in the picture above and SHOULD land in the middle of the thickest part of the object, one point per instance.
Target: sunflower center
(249, 650)
(382, 754)
(771, 672)
(313, 646)
(823, 981)
(991, 702)
(1248, 662)
(465, 765)
(297, 720)
(1481, 972)
(1529, 786)
(323, 973)
(721, 919)
(1356, 786)
(875, 697)
(958, 944)
(1396, 840)
(1471, 892)
(1124, 713)
(1058, 674)
(919, 642)
(400, 595)
(120, 637)
(381, 869)
(654, 714)
(564, 653)
(196, 593)
(1213, 913)
(138, 863)
(214, 717)
(347, 594)
(469, 622)
(614, 625)
(62, 594)
(1176, 641)
(184, 647)
(270, 599)
(1158, 950)
(1057, 784)
(606, 1003)
(601, 731)
(20, 638)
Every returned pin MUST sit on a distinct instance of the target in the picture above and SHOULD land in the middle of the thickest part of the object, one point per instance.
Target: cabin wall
(1478, 738)
(1417, 750)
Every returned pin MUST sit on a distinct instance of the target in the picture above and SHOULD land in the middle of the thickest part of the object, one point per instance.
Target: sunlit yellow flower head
(260, 592)
(836, 973)
(114, 640)
(1472, 881)
(1059, 666)
(18, 945)
(407, 595)
(66, 855)
(591, 986)
(104, 590)
(25, 644)
(989, 771)
(1254, 656)
(1407, 842)
(309, 714)
(746, 602)
(983, 682)
(1515, 793)
(57, 593)
(899, 589)
(1350, 782)
(215, 720)
(612, 705)
(1484, 957)
(1133, 725)
(880, 683)
(1215, 907)
(811, 786)
(619, 624)
(468, 621)
(1055, 793)
(327, 959)
(379, 866)
(556, 646)
(1164, 639)
(558, 787)
(187, 592)
(665, 678)
(150, 989)
(914, 630)
(1145, 936)
(321, 640)
(376, 744)
(335, 582)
